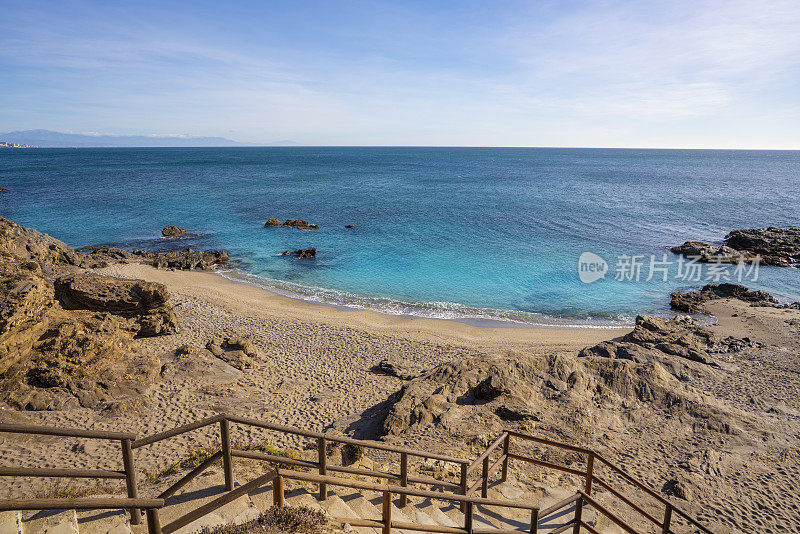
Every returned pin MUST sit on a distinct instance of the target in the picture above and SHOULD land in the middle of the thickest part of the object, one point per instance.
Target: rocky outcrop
(477, 393)
(310, 252)
(182, 260)
(173, 231)
(146, 303)
(300, 224)
(53, 358)
(774, 246)
(693, 301)
(56, 258)
(657, 339)
(272, 221)
(401, 369)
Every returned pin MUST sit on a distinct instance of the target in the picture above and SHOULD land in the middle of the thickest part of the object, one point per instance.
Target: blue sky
(629, 74)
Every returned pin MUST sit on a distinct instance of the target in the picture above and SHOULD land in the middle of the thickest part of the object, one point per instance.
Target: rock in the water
(173, 231)
(272, 221)
(703, 252)
(310, 252)
(692, 301)
(774, 246)
(3, 189)
(144, 302)
(300, 224)
(349, 226)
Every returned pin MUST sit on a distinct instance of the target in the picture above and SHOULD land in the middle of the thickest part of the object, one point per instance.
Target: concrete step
(203, 489)
(104, 521)
(10, 523)
(434, 511)
(336, 507)
(50, 522)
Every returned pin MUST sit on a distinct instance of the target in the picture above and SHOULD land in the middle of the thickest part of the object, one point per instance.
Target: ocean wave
(430, 310)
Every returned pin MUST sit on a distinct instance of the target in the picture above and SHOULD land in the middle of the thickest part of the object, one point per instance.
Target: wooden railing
(458, 492)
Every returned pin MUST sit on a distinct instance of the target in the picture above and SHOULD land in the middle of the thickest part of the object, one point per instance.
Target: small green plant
(197, 455)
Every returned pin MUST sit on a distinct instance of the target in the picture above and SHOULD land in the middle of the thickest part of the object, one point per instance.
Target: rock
(351, 454)
(774, 246)
(300, 224)
(182, 260)
(310, 252)
(236, 351)
(703, 252)
(681, 487)
(173, 231)
(400, 369)
(3, 189)
(349, 226)
(272, 221)
(145, 302)
(692, 301)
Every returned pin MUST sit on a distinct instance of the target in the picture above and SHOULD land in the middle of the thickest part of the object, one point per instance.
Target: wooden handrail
(79, 504)
(149, 440)
(54, 472)
(64, 432)
(496, 443)
(340, 439)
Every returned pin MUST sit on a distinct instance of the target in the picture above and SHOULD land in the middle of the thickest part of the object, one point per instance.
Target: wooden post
(323, 466)
(578, 512)
(485, 475)
(403, 478)
(589, 472)
(278, 496)
(667, 519)
(468, 517)
(387, 512)
(153, 522)
(534, 521)
(464, 486)
(227, 460)
(506, 448)
(130, 479)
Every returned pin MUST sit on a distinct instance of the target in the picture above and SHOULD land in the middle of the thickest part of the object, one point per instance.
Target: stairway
(342, 503)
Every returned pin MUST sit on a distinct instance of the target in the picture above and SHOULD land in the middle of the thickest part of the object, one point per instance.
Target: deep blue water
(490, 232)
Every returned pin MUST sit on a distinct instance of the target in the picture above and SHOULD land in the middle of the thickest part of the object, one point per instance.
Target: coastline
(244, 298)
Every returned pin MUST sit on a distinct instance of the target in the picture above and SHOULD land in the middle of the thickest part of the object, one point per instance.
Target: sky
(672, 74)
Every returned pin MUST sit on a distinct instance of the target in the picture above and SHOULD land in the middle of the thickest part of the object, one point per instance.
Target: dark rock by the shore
(774, 246)
(173, 231)
(300, 224)
(272, 221)
(692, 301)
(310, 252)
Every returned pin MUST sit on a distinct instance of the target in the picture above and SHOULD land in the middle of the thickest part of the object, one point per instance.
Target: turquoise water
(489, 233)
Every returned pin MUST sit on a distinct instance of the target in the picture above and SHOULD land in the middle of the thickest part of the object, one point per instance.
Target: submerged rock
(173, 231)
(310, 252)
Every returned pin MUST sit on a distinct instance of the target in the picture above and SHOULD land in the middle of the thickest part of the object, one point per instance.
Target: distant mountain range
(51, 139)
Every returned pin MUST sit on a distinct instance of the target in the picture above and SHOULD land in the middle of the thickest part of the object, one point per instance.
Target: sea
(491, 236)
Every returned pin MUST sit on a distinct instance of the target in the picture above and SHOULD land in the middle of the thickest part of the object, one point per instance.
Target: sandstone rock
(173, 231)
(145, 302)
(235, 351)
(272, 221)
(27, 244)
(692, 301)
(310, 252)
(300, 224)
(183, 260)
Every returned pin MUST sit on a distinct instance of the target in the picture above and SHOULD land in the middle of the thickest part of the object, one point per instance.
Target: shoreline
(248, 298)
(483, 318)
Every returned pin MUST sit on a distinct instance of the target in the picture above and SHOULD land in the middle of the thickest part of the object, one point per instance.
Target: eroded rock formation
(774, 246)
(692, 301)
(310, 252)
(173, 231)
